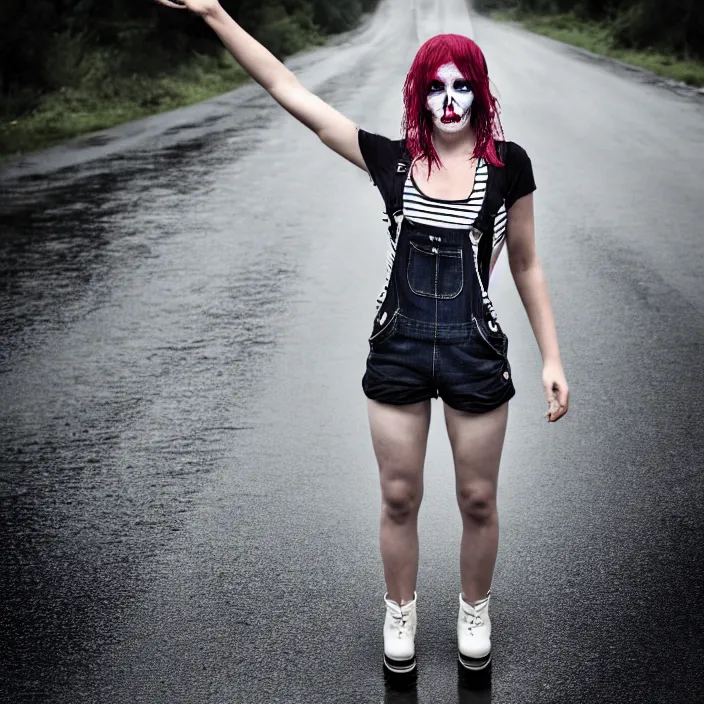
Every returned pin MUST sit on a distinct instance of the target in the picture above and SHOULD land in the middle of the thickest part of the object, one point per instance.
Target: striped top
(459, 214)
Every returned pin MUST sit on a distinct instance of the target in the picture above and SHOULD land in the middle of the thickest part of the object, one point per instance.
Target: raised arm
(334, 129)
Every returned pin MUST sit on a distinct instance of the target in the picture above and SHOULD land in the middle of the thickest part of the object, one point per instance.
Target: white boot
(474, 634)
(399, 635)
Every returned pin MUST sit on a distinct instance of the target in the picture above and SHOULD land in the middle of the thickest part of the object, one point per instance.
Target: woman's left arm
(528, 274)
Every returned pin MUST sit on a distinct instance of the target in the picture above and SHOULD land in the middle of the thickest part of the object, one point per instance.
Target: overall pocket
(384, 332)
(495, 339)
(435, 272)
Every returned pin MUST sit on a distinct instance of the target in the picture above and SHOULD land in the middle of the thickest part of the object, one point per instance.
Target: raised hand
(334, 130)
(199, 7)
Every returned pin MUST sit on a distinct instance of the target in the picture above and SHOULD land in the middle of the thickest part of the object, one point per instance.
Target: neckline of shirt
(481, 165)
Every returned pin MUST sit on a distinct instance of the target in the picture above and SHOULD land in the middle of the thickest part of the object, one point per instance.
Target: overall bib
(436, 333)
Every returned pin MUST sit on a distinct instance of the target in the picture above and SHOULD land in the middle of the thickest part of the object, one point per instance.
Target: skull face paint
(450, 99)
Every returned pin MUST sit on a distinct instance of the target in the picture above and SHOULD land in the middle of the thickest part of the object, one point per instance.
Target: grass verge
(599, 38)
(74, 110)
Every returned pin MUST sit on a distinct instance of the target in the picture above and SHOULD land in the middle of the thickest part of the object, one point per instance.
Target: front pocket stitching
(434, 295)
(446, 253)
(387, 328)
(484, 337)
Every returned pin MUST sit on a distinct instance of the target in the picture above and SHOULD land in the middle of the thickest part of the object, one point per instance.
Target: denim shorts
(471, 374)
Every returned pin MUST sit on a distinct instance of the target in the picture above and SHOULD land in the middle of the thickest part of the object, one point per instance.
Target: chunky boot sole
(400, 667)
(474, 664)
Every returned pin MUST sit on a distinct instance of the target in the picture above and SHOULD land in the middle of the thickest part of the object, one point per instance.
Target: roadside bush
(336, 18)
(672, 26)
(645, 25)
(285, 36)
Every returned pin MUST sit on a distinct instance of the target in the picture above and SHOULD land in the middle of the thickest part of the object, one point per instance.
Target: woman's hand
(556, 391)
(199, 7)
(335, 130)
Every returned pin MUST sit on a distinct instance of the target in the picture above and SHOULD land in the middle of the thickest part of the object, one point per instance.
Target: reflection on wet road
(188, 498)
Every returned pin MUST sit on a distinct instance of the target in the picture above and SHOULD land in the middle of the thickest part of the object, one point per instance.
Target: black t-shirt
(382, 155)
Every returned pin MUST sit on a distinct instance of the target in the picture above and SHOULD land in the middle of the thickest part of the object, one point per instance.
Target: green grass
(100, 87)
(598, 38)
(87, 106)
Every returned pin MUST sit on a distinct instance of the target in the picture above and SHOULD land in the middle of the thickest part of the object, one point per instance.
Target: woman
(435, 332)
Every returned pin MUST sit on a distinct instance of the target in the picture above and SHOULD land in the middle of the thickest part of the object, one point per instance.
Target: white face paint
(450, 99)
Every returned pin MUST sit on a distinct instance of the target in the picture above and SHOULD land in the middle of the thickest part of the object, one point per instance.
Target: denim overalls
(436, 333)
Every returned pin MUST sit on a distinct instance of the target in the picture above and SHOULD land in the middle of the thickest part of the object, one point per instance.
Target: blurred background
(69, 66)
(72, 66)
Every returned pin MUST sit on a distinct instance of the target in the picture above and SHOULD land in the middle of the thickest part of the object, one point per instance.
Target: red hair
(417, 121)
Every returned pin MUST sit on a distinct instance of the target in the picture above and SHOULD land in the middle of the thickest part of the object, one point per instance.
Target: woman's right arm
(334, 129)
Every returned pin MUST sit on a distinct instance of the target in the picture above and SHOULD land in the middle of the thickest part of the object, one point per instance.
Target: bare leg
(399, 436)
(477, 441)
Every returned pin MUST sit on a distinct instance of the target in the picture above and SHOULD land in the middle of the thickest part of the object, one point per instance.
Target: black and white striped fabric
(499, 234)
(381, 158)
(459, 214)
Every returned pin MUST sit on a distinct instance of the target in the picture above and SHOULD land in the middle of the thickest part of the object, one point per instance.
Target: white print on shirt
(450, 105)
(390, 257)
(499, 236)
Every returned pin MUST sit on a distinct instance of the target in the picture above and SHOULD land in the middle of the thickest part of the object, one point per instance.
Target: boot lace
(401, 624)
(472, 620)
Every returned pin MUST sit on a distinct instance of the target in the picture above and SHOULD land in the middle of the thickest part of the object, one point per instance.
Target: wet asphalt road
(189, 500)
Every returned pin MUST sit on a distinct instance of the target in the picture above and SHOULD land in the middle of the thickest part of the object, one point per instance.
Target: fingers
(553, 410)
(558, 402)
(169, 3)
(554, 414)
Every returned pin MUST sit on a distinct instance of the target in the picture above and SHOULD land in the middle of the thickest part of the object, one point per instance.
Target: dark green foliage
(50, 45)
(336, 16)
(61, 45)
(674, 26)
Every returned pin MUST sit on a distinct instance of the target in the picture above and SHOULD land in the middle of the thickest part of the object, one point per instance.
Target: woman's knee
(477, 501)
(401, 499)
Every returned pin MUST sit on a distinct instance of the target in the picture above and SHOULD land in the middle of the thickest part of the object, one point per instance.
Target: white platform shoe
(474, 634)
(399, 636)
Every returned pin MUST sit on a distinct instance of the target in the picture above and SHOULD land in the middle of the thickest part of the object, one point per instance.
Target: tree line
(674, 26)
(45, 44)
(53, 45)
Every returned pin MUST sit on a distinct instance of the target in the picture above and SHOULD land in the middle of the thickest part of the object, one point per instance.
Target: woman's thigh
(399, 436)
(477, 441)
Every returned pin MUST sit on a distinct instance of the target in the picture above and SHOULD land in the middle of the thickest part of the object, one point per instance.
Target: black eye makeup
(459, 85)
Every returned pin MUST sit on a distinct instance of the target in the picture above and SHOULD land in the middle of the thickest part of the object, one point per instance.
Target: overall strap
(500, 171)
(395, 204)
(495, 188)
